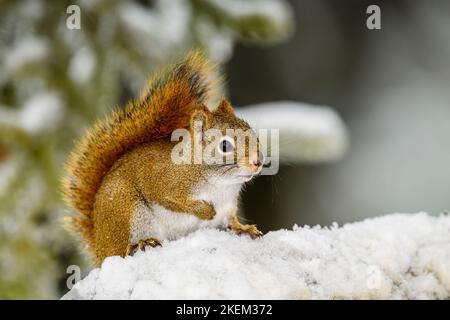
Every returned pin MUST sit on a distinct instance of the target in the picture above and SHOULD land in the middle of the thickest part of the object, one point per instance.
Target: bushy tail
(164, 105)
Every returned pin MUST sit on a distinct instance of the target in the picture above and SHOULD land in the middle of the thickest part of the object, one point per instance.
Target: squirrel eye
(226, 146)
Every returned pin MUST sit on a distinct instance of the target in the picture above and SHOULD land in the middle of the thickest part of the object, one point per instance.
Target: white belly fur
(155, 221)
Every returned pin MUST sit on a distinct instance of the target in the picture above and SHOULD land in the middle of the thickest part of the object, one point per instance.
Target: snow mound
(398, 256)
(308, 133)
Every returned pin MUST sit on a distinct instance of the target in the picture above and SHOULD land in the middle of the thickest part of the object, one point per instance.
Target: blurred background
(390, 87)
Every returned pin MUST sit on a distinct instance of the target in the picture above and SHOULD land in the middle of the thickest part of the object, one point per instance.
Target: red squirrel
(124, 184)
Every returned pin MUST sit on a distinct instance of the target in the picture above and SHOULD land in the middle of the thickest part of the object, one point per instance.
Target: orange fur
(123, 167)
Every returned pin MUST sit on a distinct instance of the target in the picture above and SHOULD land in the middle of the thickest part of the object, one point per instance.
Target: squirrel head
(230, 147)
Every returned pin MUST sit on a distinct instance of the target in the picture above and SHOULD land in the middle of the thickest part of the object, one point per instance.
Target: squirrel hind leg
(141, 245)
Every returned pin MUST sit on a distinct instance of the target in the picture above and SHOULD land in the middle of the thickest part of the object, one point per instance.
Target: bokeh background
(390, 86)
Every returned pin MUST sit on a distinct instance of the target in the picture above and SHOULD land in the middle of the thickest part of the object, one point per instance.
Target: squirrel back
(164, 105)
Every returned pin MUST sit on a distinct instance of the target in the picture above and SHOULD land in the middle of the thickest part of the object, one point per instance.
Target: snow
(218, 40)
(397, 256)
(41, 112)
(27, 50)
(82, 65)
(165, 24)
(276, 11)
(308, 133)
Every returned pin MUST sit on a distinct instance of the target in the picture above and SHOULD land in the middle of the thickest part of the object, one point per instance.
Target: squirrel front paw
(250, 229)
(204, 210)
(141, 244)
(240, 228)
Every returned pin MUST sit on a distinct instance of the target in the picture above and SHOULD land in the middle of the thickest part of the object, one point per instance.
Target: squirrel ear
(224, 107)
(200, 118)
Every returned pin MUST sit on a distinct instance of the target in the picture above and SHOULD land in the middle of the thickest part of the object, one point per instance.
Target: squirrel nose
(258, 162)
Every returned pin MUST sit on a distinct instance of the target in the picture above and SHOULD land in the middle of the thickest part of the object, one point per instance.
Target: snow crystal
(307, 132)
(398, 256)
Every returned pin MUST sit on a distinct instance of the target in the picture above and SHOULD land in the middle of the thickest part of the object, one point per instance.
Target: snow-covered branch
(308, 133)
(395, 256)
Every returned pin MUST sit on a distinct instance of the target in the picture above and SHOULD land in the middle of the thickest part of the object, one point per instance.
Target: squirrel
(122, 180)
